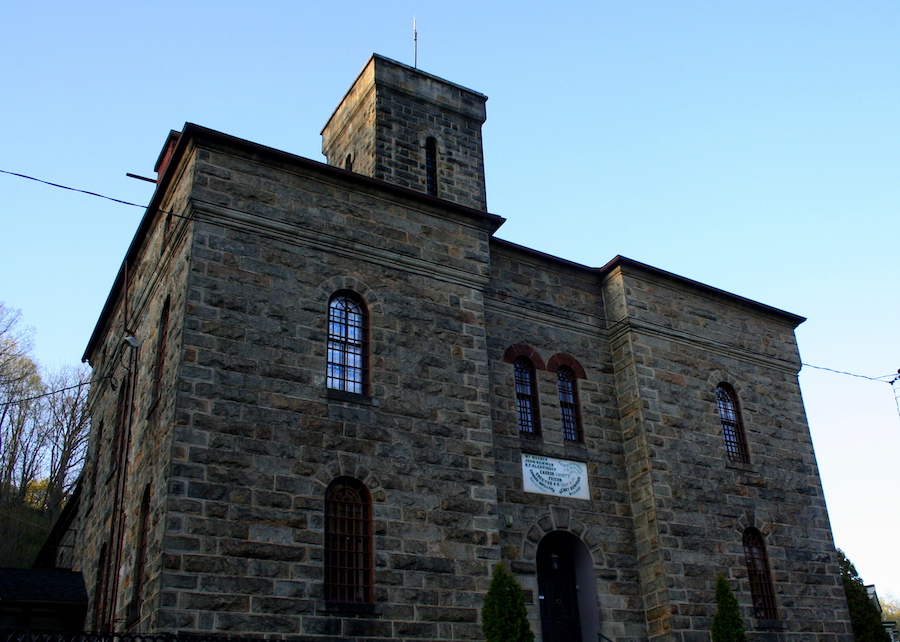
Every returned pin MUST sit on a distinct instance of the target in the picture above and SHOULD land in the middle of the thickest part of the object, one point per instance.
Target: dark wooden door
(558, 590)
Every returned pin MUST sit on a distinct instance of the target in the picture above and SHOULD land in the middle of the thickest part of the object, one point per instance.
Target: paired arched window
(568, 405)
(527, 398)
(732, 424)
(347, 368)
(761, 589)
(526, 362)
(348, 542)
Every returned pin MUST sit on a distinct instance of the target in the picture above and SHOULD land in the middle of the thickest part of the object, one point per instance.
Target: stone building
(329, 401)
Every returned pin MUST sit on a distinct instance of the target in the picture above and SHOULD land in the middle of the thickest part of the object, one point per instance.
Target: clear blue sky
(749, 145)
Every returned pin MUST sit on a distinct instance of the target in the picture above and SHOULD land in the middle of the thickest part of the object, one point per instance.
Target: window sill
(569, 451)
(768, 625)
(133, 616)
(152, 409)
(736, 465)
(350, 608)
(350, 397)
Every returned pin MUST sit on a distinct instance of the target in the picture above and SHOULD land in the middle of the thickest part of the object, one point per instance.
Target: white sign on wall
(549, 476)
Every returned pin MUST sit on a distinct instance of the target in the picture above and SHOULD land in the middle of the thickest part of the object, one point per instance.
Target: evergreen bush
(864, 615)
(727, 625)
(503, 616)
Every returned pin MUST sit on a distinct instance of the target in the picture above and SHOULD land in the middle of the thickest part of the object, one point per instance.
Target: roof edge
(620, 261)
(192, 132)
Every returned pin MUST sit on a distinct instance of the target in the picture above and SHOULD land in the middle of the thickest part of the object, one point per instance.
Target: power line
(73, 189)
(89, 193)
(882, 378)
(48, 393)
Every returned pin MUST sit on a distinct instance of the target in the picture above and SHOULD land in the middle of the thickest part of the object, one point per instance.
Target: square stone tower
(412, 129)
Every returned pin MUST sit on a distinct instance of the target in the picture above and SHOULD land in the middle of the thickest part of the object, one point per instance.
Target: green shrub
(503, 616)
(864, 616)
(727, 625)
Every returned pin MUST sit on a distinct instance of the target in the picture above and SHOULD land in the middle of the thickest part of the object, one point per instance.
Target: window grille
(568, 405)
(161, 348)
(140, 553)
(732, 425)
(526, 398)
(347, 330)
(348, 542)
(431, 176)
(761, 589)
(101, 619)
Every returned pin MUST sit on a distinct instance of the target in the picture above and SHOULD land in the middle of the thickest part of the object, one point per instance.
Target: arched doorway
(567, 590)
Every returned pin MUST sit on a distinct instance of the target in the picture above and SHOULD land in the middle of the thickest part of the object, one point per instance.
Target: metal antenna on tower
(415, 44)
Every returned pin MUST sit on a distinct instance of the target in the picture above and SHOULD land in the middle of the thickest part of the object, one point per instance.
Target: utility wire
(83, 191)
(882, 378)
(49, 393)
(73, 189)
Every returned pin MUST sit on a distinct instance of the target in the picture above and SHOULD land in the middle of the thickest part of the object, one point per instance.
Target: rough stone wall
(673, 345)
(124, 456)
(351, 129)
(259, 437)
(556, 309)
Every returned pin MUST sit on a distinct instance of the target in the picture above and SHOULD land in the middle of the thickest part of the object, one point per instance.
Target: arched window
(101, 619)
(526, 398)
(162, 341)
(348, 163)
(347, 343)
(568, 405)
(431, 173)
(140, 560)
(732, 425)
(348, 542)
(761, 589)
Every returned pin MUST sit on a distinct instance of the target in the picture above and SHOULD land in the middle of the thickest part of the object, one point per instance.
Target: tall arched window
(761, 589)
(348, 542)
(526, 398)
(568, 405)
(431, 173)
(347, 343)
(732, 425)
(100, 591)
(162, 345)
(140, 560)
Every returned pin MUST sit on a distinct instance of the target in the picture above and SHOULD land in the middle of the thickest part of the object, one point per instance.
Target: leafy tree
(727, 625)
(43, 434)
(864, 615)
(503, 616)
(890, 608)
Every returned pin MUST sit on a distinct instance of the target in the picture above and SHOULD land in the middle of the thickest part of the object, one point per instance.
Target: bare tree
(67, 427)
(43, 435)
(15, 343)
(19, 380)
